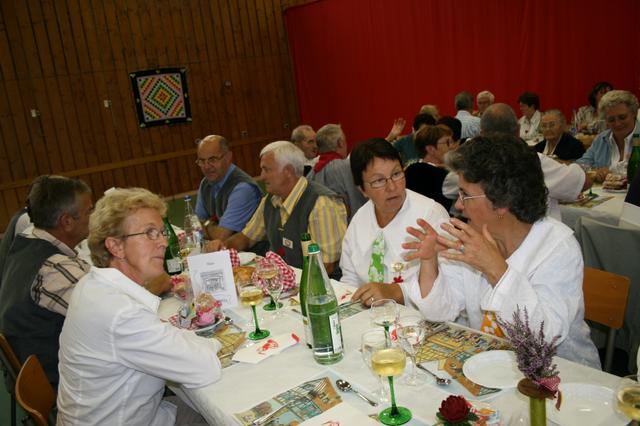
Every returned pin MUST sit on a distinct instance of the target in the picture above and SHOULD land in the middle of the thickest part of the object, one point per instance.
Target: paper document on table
(341, 415)
(265, 348)
(211, 273)
(298, 408)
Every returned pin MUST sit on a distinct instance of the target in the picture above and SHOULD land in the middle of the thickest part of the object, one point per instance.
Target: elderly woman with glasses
(611, 148)
(115, 352)
(372, 256)
(507, 256)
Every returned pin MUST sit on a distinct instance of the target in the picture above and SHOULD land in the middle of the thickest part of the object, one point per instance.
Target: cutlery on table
(345, 386)
(439, 380)
(316, 391)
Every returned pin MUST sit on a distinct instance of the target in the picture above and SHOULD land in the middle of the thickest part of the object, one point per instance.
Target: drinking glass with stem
(267, 271)
(372, 341)
(411, 334)
(591, 173)
(250, 295)
(390, 362)
(628, 398)
(384, 312)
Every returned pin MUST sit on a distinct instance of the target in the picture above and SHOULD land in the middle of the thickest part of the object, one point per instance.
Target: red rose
(454, 409)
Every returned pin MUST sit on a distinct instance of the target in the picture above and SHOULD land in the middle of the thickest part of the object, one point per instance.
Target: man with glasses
(42, 268)
(612, 147)
(227, 196)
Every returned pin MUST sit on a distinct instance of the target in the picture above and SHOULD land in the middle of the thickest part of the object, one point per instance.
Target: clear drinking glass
(267, 272)
(628, 398)
(384, 312)
(372, 341)
(251, 295)
(411, 334)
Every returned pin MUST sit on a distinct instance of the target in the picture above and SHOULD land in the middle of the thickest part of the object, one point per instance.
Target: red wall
(362, 63)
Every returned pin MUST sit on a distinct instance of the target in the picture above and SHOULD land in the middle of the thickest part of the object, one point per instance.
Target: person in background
(455, 126)
(18, 223)
(427, 176)
(530, 120)
(464, 108)
(508, 255)
(587, 119)
(483, 99)
(432, 110)
(557, 142)
(293, 206)
(227, 196)
(612, 148)
(371, 246)
(333, 169)
(304, 137)
(406, 146)
(42, 269)
(633, 194)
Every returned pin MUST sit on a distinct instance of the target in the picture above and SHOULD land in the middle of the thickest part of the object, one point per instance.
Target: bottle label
(173, 265)
(336, 333)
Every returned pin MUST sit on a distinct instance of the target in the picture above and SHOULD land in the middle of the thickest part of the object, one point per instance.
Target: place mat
(452, 346)
(299, 410)
(588, 201)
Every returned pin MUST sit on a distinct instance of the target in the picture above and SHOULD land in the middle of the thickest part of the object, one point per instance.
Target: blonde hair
(109, 215)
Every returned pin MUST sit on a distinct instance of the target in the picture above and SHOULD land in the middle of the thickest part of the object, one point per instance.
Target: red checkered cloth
(285, 273)
(235, 259)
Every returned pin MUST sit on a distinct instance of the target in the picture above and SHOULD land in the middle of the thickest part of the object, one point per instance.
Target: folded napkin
(265, 348)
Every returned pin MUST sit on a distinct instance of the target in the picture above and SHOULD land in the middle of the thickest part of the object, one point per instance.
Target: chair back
(34, 392)
(605, 297)
(9, 358)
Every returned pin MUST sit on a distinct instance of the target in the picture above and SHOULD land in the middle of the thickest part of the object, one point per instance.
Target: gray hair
(328, 136)
(499, 118)
(432, 110)
(464, 101)
(486, 94)
(52, 196)
(616, 97)
(224, 143)
(286, 154)
(558, 114)
(298, 135)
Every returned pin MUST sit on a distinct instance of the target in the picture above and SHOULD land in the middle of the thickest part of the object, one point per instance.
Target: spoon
(439, 380)
(345, 386)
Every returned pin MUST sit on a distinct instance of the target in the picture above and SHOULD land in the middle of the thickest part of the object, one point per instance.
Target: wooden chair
(10, 369)
(605, 302)
(34, 392)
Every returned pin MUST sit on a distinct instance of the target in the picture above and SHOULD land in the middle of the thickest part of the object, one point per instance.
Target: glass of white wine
(372, 341)
(390, 362)
(411, 334)
(628, 398)
(384, 312)
(251, 295)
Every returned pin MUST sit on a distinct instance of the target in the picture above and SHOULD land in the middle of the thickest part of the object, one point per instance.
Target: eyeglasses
(151, 233)
(211, 160)
(464, 197)
(549, 125)
(447, 142)
(379, 183)
(614, 118)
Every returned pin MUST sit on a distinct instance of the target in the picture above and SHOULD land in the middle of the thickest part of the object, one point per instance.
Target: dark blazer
(427, 180)
(568, 148)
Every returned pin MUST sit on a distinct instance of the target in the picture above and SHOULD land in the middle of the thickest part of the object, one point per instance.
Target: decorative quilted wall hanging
(161, 96)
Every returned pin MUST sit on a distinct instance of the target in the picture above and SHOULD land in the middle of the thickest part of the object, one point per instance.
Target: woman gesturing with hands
(507, 255)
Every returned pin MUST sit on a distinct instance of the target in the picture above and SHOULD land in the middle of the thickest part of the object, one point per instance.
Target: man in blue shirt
(227, 196)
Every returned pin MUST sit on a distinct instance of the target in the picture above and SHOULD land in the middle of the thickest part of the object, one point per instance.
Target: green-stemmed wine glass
(390, 362)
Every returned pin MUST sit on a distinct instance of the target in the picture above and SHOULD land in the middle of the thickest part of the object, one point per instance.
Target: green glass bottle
(322, 309)
(172, 263)
(305, 241)
(634, 159)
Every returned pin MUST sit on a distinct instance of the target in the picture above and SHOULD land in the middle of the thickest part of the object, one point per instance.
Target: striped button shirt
(327, 220)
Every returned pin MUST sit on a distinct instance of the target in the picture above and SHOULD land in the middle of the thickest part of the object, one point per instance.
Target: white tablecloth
(244, 385)
(607, 212)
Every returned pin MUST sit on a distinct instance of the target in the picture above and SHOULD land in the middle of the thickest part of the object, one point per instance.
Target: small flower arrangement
(456, 411)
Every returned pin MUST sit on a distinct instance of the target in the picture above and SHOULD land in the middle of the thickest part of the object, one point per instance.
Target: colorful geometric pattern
(161, 96)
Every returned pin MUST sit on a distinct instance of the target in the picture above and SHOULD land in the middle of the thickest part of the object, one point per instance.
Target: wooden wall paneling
(12, 203)
(285, 64)
(141, 176)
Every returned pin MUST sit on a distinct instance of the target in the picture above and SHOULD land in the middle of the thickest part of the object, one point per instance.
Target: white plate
(493, 369)
(585, 404)
(246, 257)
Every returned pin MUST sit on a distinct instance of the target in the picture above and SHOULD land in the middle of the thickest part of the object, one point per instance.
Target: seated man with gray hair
(304, 137)
(333, 170)
(484, 99)
(292, 206)
(464, 107)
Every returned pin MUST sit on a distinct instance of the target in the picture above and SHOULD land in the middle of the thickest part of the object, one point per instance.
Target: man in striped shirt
(42, 268)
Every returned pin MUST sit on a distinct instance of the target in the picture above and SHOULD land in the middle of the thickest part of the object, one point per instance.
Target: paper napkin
(341, 415)
(263, 349)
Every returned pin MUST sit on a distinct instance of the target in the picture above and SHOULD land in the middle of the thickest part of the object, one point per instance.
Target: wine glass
(591, 173)
(411, 334)
(628, 398)
(372, 341)
(390, 362)
(274, 287)
(251, 295)
(267, 271)
(384, 312)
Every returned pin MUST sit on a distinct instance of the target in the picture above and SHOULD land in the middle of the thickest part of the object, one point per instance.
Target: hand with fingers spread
(370, 292)
(476, 249)
(426, 246)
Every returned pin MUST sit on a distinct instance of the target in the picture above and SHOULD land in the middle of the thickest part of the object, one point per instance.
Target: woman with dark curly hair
(507, 255)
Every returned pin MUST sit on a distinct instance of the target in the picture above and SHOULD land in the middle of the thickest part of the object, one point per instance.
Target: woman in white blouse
(530, 120)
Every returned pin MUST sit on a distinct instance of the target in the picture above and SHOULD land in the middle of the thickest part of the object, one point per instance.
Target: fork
(316, 391)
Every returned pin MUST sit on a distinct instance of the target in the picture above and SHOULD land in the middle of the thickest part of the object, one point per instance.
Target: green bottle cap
(314, 248)
(305, 236)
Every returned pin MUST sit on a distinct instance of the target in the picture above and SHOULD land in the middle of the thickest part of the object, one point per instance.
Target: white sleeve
(349, 274)
(564, 182)
(450, 186)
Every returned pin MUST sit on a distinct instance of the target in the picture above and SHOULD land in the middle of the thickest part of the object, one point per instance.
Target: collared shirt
(116, 354)
(615, 152)
(51, 289)
(241, 204)
(327, 220)
(470, 124)
(529, 128)
(604, 152)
